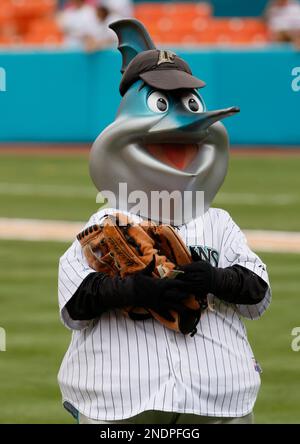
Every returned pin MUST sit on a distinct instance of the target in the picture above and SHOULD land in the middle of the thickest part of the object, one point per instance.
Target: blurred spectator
(122, 7)
(85, 24)
(102, 36)
(78, 22)
(283, 18)
(61, 3)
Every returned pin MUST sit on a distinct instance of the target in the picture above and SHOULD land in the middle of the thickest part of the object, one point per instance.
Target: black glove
(160, 295)
(234, 284)
(99, 293)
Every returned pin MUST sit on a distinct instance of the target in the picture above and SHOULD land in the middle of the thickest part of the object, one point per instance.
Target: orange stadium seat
(169, 23)
(260, 38)
(253, 24)
(198, 38)
(238, 31)
(43, 31)
(33, 8)
(187, 37)
(44, 26)
(42, 39)
(207, 37)
(235, 25)
(7, 40)
(27, 10)
(6, 13)
(241, 38)
(193, 23)
(147, 12)
(201, 24)
(187, 10)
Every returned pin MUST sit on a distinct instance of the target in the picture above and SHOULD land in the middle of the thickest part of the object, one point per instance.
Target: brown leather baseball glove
(120, 246)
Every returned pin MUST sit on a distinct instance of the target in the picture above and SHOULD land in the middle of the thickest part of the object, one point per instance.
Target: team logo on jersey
(203, 253)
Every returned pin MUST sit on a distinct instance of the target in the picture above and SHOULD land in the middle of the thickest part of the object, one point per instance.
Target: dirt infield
(61, 231)
(82, 149)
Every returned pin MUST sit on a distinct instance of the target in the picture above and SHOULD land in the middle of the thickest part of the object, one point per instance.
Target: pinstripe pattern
(116, 368)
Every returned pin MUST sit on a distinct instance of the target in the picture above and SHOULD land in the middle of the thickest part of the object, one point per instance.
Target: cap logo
(166, 57)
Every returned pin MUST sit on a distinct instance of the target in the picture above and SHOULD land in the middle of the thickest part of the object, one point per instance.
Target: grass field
(259, 192)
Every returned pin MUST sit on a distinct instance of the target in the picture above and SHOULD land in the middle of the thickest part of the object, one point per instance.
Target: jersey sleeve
(73, 269)
(235, 251)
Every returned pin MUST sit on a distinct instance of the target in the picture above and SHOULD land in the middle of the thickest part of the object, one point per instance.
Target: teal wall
(73, 96)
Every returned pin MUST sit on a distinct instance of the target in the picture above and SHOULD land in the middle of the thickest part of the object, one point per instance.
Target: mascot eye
(158, 102)
(192, 103)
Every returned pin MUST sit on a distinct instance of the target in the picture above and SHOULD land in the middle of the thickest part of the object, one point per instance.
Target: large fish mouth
(176, 155)
(179, 141)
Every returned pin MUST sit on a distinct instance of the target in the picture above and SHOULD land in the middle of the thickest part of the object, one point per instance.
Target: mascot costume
(155, 286)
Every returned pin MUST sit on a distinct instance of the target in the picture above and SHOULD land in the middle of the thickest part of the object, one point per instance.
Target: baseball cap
(161, 69)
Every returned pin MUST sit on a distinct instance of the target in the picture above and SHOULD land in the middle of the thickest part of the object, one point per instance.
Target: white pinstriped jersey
(116, 368)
